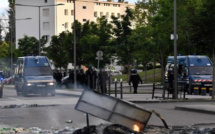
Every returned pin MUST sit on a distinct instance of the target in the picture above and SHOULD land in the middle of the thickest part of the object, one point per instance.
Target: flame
(136, 128)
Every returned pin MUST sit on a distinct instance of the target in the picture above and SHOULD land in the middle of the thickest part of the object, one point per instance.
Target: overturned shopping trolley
(113, 110)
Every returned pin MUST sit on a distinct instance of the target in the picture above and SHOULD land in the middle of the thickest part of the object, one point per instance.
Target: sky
(4, 6)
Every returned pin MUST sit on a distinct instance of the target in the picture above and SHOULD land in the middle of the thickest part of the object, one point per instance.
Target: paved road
(56, 115)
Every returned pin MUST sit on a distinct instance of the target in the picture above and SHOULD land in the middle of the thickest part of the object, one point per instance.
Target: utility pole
(75, 74)
(175, 96)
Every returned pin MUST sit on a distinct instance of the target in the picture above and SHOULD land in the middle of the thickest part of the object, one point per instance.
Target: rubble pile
(110, 129)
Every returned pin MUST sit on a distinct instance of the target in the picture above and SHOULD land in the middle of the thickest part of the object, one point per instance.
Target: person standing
(103, 76)
(81, 78)
(135, 79)
(91, 77)
(58, 78)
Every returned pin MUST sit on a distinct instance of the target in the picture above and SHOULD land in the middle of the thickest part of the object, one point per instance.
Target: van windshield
(37, 71)
(201, 70)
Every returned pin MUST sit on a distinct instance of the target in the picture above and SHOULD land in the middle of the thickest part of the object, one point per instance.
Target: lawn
(142, 75)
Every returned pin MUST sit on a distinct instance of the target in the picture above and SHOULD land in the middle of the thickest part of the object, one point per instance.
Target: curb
(170, 101)
(194, 110)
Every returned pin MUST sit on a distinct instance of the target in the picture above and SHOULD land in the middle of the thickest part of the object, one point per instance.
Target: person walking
(135, 79)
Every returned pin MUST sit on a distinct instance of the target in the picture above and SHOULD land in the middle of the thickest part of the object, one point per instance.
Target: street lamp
(39, 16)
(75, 80)
(11, 46)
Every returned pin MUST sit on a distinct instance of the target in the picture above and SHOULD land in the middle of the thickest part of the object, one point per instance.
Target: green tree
(30, 45)
(11, 16)
(122, 32)
(4, 55)
(56, 51)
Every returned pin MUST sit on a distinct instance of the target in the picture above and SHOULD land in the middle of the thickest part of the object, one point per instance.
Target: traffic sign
(99, 53)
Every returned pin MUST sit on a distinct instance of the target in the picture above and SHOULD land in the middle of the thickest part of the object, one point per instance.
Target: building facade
(51, 17)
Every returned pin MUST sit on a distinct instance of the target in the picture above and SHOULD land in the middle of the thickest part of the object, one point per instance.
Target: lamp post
(75, 74)
(11, 43)
(39, 16)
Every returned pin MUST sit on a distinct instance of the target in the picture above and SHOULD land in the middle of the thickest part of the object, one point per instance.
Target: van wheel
(53, 93)
(18, 93)
(25, 93)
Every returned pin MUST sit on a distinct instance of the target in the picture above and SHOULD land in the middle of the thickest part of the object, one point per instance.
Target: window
(101, 14)
(72, 12)
(106, 4)
(45, 25)
(97, 3)
(84, 7)
(118, 15)
(107, 15)
(45, 1)
(66, 25)
(46, 12)
(46, 37)
(69, 1)
(114, 5)
(84, 20)
(112, 14)
(95, 14)
(66, 12)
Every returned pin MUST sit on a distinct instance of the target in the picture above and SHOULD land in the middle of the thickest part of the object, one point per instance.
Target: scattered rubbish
(111, 129)
(24, 106)
(162, 119)
(69, 121)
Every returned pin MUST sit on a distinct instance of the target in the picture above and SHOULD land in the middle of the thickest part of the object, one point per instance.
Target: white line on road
(15, 99)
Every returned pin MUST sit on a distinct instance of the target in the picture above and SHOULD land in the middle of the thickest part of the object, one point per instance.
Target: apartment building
(51, 17)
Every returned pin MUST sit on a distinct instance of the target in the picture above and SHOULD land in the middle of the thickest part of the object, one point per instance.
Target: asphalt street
(55, 111)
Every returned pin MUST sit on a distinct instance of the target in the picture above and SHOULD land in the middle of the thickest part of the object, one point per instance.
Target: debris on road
(23, 106)
(111, 129)
(69, 121)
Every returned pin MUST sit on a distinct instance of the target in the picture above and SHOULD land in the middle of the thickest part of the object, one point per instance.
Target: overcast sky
(4, 6)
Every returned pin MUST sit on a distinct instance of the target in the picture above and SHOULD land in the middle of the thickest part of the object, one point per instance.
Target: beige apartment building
(56, 19)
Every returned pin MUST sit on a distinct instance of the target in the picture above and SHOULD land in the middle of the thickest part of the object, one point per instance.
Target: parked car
(66, 82)
(9, 80)
(1, 88)
(115, 73)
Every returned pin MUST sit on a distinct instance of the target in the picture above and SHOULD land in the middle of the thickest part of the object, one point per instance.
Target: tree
(30, 45)
(11, 14)
(4, 55)
(56, 51)
(122, 32)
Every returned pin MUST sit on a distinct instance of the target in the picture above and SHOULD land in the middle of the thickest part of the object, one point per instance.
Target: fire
(136, 128)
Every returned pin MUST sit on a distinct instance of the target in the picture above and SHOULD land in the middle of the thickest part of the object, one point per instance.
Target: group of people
(90, 79)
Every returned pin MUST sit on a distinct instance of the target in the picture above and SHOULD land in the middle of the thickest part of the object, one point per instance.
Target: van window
(36, 62)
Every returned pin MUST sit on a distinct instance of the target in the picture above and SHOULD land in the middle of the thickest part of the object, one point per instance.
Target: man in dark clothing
(58, 77)
(81, 78)
(135, 79)
(103, 76)
(91, 77)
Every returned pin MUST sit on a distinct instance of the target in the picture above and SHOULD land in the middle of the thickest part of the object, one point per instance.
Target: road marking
(15, 99)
